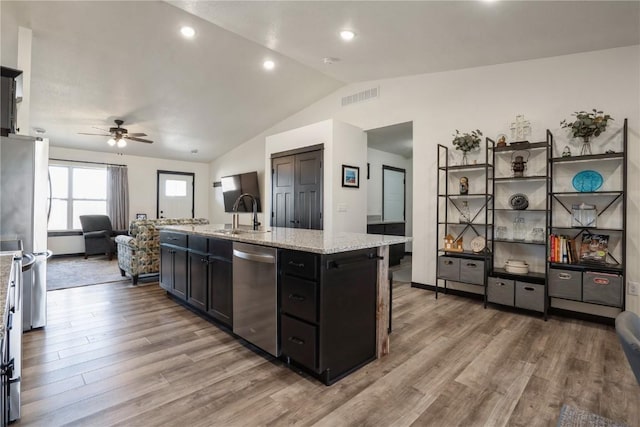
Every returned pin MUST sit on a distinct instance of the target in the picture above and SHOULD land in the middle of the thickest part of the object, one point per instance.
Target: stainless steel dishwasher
(255, 295)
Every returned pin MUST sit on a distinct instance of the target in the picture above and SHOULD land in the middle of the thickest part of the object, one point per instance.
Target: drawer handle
(529, 288)
(296, 264)
(296, 297)
(447, 262)
(564, 276)
(501, 284)
(296, 340)
(472, 264)
(601, 281)
(173, 238)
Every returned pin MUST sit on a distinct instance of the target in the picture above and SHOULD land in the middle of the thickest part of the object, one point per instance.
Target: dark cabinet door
(297, 190)
(197, 293)
(283, 195)
(308, 190)
(166, 268)
(180, 273)
(220, 290)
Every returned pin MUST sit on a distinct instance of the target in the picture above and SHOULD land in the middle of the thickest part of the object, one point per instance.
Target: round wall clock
(587, 181)
(519, 201)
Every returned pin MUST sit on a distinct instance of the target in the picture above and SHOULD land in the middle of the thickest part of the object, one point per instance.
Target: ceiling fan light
(111, 142)
(122, 143)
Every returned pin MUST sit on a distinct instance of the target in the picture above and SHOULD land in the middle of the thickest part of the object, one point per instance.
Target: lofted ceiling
(96, 61)
(395, 139)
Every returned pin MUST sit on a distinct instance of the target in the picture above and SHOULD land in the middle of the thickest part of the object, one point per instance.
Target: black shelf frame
(536, 278)
(618, 266)
(444, 226)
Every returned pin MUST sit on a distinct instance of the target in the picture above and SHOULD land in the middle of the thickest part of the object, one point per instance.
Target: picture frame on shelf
(141, 216)
(350, 176)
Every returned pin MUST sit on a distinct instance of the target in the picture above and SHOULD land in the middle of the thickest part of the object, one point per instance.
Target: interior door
(393, 194)
(282, 204)
(175, 195)
(308, 190)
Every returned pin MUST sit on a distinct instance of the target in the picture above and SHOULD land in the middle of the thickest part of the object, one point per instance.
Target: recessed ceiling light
(330, 60)
(347, 35)
(268, 65)
(188, 32)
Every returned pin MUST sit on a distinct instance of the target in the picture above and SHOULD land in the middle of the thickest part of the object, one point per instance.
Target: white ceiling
(396, 139)
(96, 61)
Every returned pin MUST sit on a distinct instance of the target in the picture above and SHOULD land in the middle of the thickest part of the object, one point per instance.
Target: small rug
(65, 273)
(574, 417)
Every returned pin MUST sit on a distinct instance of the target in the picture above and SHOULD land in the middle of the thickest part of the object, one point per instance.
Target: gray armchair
(628, 330)
(99, 237)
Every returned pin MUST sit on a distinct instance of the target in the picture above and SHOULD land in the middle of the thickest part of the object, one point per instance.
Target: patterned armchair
(139, 252)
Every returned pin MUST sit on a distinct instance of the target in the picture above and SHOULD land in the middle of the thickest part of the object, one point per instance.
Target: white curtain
(118, 196)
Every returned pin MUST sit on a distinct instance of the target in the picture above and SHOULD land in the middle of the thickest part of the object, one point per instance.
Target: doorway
(393, 193)
(175, 195)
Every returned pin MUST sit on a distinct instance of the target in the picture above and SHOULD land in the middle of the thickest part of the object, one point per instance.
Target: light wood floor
(119, 355)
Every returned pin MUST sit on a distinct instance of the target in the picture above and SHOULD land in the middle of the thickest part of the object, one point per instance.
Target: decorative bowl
(519, 201)
(516, 266)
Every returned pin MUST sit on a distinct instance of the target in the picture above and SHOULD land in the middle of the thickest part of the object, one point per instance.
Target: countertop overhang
(316, 241)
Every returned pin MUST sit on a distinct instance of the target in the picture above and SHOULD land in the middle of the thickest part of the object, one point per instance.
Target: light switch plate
(633, 288)
(342, 207)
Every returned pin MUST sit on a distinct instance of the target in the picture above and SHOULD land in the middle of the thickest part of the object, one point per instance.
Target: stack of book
(562, 249)
(593, 248)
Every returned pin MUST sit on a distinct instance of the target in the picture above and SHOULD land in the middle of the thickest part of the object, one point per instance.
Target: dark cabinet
(173, 270)
(220, 299)
(8, 108)
(396, 252)
(198, 270)
(297, 190)
(328, 311)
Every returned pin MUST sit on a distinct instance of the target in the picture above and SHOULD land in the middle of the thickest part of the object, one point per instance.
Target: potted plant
(587, 125)
(466, 142)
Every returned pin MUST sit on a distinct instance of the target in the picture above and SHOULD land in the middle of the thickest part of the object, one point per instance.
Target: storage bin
(602, 288)
(530, 296)
(472, 271)
(500, 291)
(565, 284)
(448, 268)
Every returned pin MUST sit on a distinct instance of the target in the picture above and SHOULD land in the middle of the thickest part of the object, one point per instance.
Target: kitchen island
(328, 302)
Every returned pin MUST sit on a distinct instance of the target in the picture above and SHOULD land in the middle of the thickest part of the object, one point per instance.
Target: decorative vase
(465, 161)
(586, 147)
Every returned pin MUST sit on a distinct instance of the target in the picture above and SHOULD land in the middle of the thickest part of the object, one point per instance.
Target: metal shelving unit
(609, 276)
(447, 205)
(509, 288)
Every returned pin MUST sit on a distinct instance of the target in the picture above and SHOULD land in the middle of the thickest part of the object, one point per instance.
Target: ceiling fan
(119, 135)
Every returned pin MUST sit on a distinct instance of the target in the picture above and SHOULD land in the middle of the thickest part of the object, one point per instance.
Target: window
(175, 188)
(75, 191)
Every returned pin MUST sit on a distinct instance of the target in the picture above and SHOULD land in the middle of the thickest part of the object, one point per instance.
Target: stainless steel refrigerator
(24, 192)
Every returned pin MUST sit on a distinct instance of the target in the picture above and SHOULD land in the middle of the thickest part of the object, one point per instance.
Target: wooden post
(382, 313)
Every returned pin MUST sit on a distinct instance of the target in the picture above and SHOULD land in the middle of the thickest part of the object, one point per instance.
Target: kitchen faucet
(254, 209)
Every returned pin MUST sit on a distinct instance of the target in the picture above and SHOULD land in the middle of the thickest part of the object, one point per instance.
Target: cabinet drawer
(602, 288)
(178, 239)
(565, 284)
(299, 341)
(500, 291)
(530, 296)
(472, 271)
(221, 249)
(375, 229)
(394, 229)
(198, 244)
(298, 298)
(301, 264)
(448, 268)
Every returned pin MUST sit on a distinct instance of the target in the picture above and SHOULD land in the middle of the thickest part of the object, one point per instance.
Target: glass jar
(465, 214)
(501, 233)
(537, 235)
(519, 228)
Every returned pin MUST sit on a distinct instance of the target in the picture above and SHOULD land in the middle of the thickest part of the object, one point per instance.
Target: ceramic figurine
(566, 152)
(464, 185)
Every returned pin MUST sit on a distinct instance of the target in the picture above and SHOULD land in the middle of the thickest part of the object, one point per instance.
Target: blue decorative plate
(587, 181)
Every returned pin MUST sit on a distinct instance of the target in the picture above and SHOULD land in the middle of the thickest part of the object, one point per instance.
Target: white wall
(344, 209)
(142, 186)
(544, 90)
(376, 160)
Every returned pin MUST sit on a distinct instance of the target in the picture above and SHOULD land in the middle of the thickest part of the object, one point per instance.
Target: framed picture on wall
(141, 216)
(350, 176)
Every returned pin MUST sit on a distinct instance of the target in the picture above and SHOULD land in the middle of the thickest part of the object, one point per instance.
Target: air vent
(365, 95)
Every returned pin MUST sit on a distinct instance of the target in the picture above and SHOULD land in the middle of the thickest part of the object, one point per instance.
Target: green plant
(586, 124)
(466, 142)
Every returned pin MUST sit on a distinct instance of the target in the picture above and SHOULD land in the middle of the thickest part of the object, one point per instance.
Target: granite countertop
(6, 261)
(316, 241)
